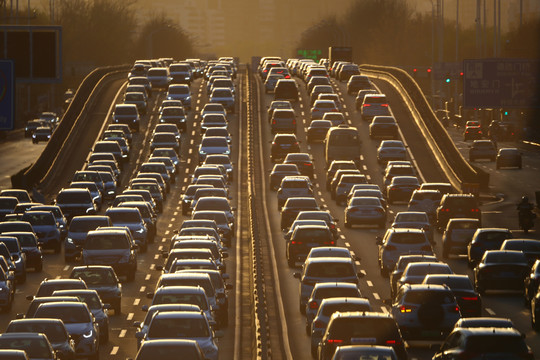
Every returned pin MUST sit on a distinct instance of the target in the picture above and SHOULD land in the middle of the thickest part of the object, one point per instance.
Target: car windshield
(182, 90)
(106, 242)
(40, 219)
(11, 245)
(335, 291)
(173, 111)
(365, 201)
(424, 269)
(68, 314)
(330, 269)
(8, 203)
(176, 327)
(35, 348)
(505, 257)
(54, 331)
(214, 142)
(95, 276)
(122, 217)
(181, 298)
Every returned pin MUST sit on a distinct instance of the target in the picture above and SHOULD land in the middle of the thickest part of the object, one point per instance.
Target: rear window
(330, 269)
(181, 298)
(427, 296)
(294, 184)
(494, 343)
(532, 246)
(411, 217)
(461, 202)
(125, 110)
(376, 100)
(408, 238)
(74, 197)
(378, 329)
(332, 292)
(505, 258)
(106, 242)
(162, 327)
(466, 225)
(328, 310)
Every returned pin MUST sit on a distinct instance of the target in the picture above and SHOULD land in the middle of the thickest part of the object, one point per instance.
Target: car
(170, 348)
(484, 322)
(362, 179)
(173, 115)
(127, 114)
(114, 247)
(213, 108)
(79, 322)
(397, 242)
(194, 295)
(141, 80)
(347, 71)
(472, 132)
(392, 170)
(443, 188)
(493, 343)
(374, 105)
(278, 104)
(345, 184)
(485, 239)
(316, 80)
(159, 77)
(185, 325)
(92, 187)
(530, 247)
(414, 220)
(365, 210)
(42, 133)
(391, 150)
(336, 165)
(508, 157)
(212, 120)
(293, 186)
(361, 95)
(457, 235)
(110, 147)
(35, 345)
(317, 130)
(400, 266)
(282, 144)
(21, 195)
(148, 215)
(54, 329)
(213, 145)
(132, 219)
(180, 73)
(283, 121)
(401, 188)
(415, 272)
(225, 97)
(217, 203)
(286, 89)
(7, 292)
(188, 196)
(321, 107)
(221, 82)
(324, 215)
(366, 327)
(324, 269)
(329, 306)
(326, 290)
(45, 227)
(222, 223)
(320, 89)
(78, 230)
(74, 202)
(138, 99)
(99, 310)
(384, 127)
(425, 201)
(535, 311)
(14, 251)
(304, 238)
(293, 206)
(457, 206)
(335, 98)
(32, 125)
(501, 270)
(425, 312)
(180, 92)
(280, 171)
(469, 301)
(358, 191)
(271, 81)
(30, 247)
(532, 283)
(103, 279)
(482, 149)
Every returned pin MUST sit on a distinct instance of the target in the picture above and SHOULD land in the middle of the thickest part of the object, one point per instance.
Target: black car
(508, 157)
(485, 239)
(302, 161)
(75, 202)
(457, 206)
(282, 144)
(103, 279)
(7, 205)
(304, 238)
(293, 206)
(48, 286)
(469, 301)
(501, 270)
(36, 346)
(317, 130)
(279, 171)
(30, 247)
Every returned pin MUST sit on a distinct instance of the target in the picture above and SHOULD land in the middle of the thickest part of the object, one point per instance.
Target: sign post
(7, 95)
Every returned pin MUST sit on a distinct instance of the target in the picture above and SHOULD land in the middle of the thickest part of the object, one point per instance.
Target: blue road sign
(501, 83)
(7, 95)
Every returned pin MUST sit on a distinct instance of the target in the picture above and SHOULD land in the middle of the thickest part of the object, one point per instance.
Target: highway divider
(456, 168)
(70, 127)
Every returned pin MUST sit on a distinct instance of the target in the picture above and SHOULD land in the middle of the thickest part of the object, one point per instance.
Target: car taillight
(332, 226)
(470, 298)
(307, 164)
(406, 308)
(329, 242)
(335, 341)
(454, 309)
(475, 210)
(313, 305)
(287, 77)
(393, 342)
(445, 210)
(274, 122)
(366, 105)
(296, 242)
(294, 121)
(384, 105)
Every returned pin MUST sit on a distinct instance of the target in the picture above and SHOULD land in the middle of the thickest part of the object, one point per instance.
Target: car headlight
(70, 241)
(202, 152)
(33, 135)
(88, 334)
(140, 231)
(188, 98)
(227, 152)
(48, 136)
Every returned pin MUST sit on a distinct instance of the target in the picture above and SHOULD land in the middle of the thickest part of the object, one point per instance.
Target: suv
(373, 328)
(114, 247)
(485, 239)
(306, 237)
(458, 235)
(457, 206)
(500, 343)
(78, 230)
(283, 121)
(482, 149)
(374, 105)
(425, 311)
(282, 144)
(286, 89)
(127, 114)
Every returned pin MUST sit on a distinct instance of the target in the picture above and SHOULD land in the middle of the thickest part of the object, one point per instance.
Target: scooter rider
(525, 210)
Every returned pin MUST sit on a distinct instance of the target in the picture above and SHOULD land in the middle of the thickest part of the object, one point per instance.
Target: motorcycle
(526, 221)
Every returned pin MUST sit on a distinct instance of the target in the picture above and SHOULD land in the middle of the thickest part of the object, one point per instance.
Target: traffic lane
(18, 153)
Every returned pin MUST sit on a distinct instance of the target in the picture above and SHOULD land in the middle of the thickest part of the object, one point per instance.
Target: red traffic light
(461, 73)
(414, 70)
(429, 70)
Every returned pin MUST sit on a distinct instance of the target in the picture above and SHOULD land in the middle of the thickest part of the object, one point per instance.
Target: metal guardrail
(456, 168)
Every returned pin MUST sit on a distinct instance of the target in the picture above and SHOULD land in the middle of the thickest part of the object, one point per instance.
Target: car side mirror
(150, 295)
(144, 308)
(19, 316)
(297, 275)
(136, 324)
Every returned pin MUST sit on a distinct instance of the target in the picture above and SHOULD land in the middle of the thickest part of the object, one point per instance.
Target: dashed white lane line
(122, 333)
(114, 350)
(193, 133)
(364, 167)
(142, 289)
(490, 312)
(314, 176)
(191, 142)
(189, 162)
(129, 316)
(384, 309)
(319, 193)
(160, 248)
(66, 268)
(346, 244)
(369, 283)
(376, 296)
(156, 256)
(190, 151)
(175, 213)
(136, 302)
(170, 225)
(163, 240)
(173, 219)
(147, 277)
(153, 267)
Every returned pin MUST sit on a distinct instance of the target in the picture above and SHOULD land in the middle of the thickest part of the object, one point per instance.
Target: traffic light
(429, 73)
(414, 73)
(447, 78)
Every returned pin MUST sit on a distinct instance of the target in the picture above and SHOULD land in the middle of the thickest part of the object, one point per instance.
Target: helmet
(525, 199)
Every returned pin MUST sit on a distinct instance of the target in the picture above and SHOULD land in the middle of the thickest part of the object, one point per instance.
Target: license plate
(363, 340)
(286, 146)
